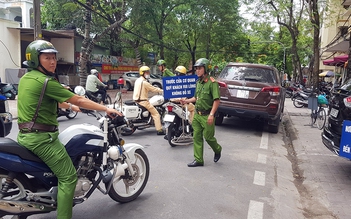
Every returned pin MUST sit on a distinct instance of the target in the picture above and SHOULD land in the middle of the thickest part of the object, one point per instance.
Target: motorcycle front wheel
(127, 188)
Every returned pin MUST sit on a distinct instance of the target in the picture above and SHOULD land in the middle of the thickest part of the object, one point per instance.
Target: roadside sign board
(179, 86)
(345, 142)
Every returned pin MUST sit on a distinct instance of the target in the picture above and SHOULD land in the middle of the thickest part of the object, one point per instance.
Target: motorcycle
(29, 187)
(8, 90)
(300, 99)
(138, 116)
(69, 113)
(179, 130)
(97, 98)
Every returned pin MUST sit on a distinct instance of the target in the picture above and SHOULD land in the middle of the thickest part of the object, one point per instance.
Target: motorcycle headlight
(113, 152)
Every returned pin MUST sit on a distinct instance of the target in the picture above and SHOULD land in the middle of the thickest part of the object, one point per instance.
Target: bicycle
(319, 116)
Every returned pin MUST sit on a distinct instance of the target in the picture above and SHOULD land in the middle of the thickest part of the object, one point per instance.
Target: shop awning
(329, 62)
(342, 58)
(336, 61)
(343, 46)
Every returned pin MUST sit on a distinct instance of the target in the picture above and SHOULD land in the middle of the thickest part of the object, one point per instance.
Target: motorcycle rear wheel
(16, 191)
(108, 100)
(127, 188)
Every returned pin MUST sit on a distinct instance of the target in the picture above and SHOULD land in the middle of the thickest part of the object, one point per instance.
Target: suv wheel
(219, 119)
(128, 86)
(273, 127)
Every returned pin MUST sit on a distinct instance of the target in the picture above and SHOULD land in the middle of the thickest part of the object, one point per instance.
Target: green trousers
(47, 147)
(203, 130)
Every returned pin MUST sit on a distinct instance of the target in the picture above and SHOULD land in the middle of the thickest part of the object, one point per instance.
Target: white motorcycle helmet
(157, 100)
(79, 90)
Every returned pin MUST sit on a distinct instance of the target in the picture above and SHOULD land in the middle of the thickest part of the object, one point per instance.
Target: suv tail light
(347, 101)
(222, 84)
(273, 91)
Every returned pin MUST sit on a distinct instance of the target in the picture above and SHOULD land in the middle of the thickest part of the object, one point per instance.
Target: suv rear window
(248, 74)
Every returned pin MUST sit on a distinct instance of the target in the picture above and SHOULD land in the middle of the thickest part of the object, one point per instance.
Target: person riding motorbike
(94, 85)
(161, 64)
(140, 96)
(39, 96)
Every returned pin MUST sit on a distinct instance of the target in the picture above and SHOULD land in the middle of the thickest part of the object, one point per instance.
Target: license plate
(242, 94)
(334, 112)
(168, 118)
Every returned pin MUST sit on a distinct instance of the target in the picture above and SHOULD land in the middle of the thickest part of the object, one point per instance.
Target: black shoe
(217, 157)
(166, 137)
(195, 164)
(161, 132)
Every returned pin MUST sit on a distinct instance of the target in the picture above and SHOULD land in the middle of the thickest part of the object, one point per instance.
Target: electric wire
(9, 53)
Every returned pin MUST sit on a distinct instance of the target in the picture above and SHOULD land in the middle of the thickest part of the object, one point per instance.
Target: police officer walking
(207, 102)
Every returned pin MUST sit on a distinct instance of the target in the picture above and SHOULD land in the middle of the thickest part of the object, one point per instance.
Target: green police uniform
(167, 73)
(46, 145)
(207, 90)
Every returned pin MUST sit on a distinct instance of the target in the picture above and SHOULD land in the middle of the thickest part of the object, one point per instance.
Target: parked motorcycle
(301, 99)
(179, 130)
(99, 154)
(8, 90)
(138, 116)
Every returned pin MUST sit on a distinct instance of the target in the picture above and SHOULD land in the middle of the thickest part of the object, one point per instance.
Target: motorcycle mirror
(79, 90)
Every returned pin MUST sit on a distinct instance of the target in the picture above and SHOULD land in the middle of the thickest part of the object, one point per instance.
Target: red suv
(251, 91)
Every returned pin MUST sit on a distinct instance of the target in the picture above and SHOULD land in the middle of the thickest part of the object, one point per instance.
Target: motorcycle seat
(130, 103)
(10, 146)
(91, 95)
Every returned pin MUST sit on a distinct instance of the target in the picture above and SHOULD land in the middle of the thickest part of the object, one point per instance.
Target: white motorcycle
(176, 122)
(138, 116)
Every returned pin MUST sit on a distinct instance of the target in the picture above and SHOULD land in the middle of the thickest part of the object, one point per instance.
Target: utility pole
(37, 21)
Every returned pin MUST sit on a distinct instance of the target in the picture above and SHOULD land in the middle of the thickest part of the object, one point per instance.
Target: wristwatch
(211, 114)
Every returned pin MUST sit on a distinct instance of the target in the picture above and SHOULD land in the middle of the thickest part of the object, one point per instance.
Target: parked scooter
(99, 155)
(8, 90)
(179, 130)
(301, 99)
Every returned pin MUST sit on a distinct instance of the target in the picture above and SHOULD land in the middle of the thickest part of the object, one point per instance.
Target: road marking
(262, 158)
(264, 141)
(255, 210)
(259, 178)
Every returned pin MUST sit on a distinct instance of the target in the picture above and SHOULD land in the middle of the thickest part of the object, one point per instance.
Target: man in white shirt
(93, 83)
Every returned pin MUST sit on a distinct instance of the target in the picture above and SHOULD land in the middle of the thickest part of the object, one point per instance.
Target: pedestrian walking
(207, 102)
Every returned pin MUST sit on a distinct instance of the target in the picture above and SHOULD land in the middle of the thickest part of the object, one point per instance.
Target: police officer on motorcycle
(94, 85)
(140, 95)
(39, 96)
(207, 102)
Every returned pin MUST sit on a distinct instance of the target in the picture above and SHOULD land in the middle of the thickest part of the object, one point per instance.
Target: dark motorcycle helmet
(34, 49)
